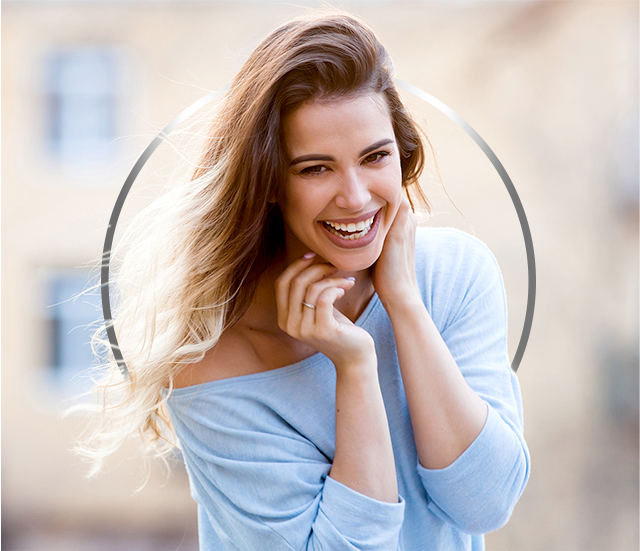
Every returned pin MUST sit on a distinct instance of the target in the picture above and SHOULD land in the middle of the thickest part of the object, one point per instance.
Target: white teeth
(352, 227)
(361, 227)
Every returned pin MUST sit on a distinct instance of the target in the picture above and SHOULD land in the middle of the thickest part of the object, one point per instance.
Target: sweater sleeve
(262, 485)
(479, 490)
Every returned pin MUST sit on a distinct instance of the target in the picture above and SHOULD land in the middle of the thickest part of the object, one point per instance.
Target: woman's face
(344, 180)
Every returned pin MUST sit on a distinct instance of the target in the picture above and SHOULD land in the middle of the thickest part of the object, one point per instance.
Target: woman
(336, 378)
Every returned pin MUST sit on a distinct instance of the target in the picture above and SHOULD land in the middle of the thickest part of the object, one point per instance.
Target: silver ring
(308, 305)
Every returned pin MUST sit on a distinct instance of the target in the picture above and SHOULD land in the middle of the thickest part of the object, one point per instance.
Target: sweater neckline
(271, 373)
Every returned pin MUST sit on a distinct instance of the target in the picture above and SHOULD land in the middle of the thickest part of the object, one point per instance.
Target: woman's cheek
(394, 208)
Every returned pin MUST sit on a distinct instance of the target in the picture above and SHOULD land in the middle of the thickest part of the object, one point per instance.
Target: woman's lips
(354, 243)
(360, 218)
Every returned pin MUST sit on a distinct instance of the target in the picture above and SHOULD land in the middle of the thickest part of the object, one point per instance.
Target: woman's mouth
(350, 231)
(352, 235)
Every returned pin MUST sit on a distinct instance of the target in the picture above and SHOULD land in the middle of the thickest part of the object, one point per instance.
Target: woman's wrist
(401, 301)
(363, 457)
(362, 365)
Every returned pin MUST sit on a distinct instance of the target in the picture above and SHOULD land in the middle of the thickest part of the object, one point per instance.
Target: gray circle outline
(115, 214)
(117, 209)
(522, 217)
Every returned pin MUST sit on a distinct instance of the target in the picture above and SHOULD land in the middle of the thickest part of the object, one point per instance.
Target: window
(620, 370)
(69, 319)
(82, 96)
(626, 168)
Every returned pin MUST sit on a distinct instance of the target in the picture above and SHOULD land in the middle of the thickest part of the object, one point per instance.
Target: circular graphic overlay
(115, 214)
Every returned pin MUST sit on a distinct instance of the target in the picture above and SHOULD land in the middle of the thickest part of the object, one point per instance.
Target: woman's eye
(377, 156)
(316, 169)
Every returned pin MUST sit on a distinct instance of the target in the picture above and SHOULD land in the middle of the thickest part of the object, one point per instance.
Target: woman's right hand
(324, 328)
(363, 458)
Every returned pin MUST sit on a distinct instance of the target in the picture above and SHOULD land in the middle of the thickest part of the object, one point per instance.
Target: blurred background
(551, 86)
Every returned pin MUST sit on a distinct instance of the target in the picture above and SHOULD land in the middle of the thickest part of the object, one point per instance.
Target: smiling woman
(345, 171)
(335, 377)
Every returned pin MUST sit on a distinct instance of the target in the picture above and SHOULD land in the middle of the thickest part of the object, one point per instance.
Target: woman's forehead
(337, 122)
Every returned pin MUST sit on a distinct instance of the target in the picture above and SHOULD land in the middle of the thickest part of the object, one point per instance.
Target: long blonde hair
(187, 266)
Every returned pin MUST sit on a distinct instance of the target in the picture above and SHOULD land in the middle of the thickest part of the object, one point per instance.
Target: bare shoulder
(232, 356)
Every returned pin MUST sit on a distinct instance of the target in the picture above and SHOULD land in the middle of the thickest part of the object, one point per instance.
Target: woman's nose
(353, 193)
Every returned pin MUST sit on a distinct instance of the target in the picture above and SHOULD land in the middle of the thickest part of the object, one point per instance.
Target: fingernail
(350, 278)
(308, 255)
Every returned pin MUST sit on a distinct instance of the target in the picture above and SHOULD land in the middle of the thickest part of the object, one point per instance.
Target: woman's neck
(355, 300)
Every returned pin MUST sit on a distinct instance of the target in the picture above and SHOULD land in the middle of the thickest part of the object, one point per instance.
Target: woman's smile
(344, 183)
(354, 233)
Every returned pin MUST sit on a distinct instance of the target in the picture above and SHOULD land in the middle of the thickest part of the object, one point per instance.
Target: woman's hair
(190, 262)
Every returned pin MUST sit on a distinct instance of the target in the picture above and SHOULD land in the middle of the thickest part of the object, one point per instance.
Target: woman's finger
(325, 318)
(291, 288)
(283, 286)
(298, 290)
(314, 290)
(284, 280)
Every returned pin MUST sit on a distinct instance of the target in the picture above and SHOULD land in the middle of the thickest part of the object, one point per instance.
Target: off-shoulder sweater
(258, 448)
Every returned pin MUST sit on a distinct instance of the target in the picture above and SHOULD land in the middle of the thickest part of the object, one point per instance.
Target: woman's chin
(352, 264)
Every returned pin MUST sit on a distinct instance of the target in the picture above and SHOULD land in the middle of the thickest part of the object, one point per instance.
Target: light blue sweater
(258, 448)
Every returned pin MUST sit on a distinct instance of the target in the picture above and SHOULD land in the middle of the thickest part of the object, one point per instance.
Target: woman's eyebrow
(311, 157)
(319, 157)
(375, 146)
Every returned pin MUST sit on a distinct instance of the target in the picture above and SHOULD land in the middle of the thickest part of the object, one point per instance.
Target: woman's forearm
(363, 458)
(446, 414)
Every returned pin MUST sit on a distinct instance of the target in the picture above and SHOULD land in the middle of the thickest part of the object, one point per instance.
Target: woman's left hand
(394, 273)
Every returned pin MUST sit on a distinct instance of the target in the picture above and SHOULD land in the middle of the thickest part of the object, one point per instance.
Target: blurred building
(551, 86)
